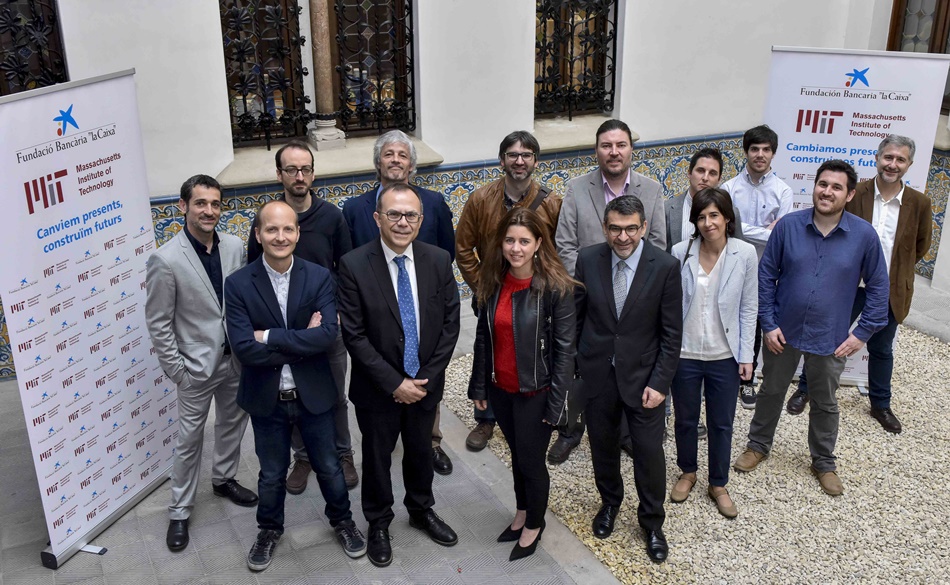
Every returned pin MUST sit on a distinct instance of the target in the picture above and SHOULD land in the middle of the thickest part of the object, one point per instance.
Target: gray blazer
(738, 291)
(184, 318)
(581, 221)
(674, 221)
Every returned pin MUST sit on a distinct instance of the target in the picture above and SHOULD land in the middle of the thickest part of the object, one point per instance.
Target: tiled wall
(666, 162)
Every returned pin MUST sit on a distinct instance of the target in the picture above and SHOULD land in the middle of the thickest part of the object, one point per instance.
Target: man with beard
(394, 156)
(518, 155)
(760, 198)
(808, 279)
(323, 240)
(902, 218)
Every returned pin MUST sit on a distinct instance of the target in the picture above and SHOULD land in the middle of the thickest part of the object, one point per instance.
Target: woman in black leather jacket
(524, 358)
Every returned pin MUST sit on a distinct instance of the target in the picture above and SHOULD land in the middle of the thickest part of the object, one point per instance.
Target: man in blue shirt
(808, 278)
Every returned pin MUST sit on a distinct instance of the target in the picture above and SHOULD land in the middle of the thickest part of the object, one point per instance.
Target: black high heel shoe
(510, 535)
(520, 552)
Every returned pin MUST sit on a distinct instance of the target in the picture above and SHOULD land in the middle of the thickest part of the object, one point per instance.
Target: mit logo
(48, 190)
(820, 121)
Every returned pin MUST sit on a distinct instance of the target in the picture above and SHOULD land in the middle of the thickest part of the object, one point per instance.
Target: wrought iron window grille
(31, 46)
(575, 54)
(374, 81)
(262, 52)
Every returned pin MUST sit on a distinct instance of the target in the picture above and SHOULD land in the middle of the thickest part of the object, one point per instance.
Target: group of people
(597, 310)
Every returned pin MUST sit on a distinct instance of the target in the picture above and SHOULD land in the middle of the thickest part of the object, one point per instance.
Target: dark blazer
(645, 342)
(914, 228)
(252, 306)
(372, 327)
(436, 228)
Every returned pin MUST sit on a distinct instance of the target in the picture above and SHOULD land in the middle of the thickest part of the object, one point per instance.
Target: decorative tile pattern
(665, 161)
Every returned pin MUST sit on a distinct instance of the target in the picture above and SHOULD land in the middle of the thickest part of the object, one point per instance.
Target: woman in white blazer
(720, 303)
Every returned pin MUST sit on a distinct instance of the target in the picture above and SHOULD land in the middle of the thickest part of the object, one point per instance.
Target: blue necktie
(407, 311)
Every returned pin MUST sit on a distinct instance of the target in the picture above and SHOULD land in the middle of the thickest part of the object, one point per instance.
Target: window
(31, 48)
(921, 26)
(575, 54)
(262, 44)
(373, 87)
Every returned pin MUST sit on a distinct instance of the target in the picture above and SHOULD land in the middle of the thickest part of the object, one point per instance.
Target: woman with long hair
(524, 359)
(720, 303)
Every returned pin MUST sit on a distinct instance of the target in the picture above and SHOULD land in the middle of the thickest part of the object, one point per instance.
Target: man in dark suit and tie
(394, 156)
(281, 315)
(630, 326)
(399, 307)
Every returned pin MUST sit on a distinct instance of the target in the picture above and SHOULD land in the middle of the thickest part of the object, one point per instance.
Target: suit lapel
(596, 193)
(369, 207)
(641, 279)
(903, 219)
(189, 251)
(377, 262)
(607, 279)
(677, 204)
(298, 284)
(424, 280)
(729, 263)
(266, 290)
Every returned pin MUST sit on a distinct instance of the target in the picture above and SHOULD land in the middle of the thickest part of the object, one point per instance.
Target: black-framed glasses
(632, 229)
(395, 216)
(292, 171)
(525, 156)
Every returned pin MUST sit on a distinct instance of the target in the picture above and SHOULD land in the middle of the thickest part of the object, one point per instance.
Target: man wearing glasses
(399, 307)
(323, 239)
(518, 155)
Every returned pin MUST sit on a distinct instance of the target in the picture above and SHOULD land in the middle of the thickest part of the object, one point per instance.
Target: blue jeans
(880, 357)
(721, 381)
(272, 444)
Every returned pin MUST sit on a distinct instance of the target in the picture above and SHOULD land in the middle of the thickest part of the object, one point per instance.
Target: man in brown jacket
(480, 217)
(903, 219)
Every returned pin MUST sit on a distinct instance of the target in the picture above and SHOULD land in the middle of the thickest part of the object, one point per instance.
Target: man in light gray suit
(184, 312)
(580, 224)
(705, 170)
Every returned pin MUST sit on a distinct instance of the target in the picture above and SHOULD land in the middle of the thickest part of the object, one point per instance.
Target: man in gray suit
(580, 223)
(705, 170)
(184, 311)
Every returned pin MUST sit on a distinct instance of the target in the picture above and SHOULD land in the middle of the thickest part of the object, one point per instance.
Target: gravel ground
(889, 526)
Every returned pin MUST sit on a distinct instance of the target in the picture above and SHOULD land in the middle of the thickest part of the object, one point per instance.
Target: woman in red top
(524, 358)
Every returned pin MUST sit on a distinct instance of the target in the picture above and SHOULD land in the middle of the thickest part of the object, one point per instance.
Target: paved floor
(476, 500)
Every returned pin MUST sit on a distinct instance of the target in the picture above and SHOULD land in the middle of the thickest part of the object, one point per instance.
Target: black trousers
(649, 460)
(521, 420)
(381, 430)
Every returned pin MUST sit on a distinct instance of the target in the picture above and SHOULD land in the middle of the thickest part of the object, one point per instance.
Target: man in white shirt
(760, 198)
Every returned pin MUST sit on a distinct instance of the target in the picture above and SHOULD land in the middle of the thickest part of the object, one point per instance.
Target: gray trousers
(337, 357)
(824, 373)
(194, 403)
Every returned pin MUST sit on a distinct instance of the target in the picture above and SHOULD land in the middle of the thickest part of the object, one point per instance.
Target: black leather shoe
(430, 523)
(441, 462)
(603, 523)
(657, 548)
(510, 535)
(561, 450)
(237, 493)
(177, 536)
(796, 404)
(520, 552)
(379, 550)
(886, 417)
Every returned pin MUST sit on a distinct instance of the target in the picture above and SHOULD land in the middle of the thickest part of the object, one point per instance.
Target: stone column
(324, 135)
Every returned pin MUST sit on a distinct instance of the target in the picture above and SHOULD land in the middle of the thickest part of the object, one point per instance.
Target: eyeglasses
(526, 156)
(292, 171)
(632, 229)
(411, 216)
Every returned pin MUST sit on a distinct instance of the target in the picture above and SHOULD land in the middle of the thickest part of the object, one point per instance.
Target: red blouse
(506, 369)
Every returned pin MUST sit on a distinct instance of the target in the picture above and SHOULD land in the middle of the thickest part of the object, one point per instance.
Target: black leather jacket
(544, 329)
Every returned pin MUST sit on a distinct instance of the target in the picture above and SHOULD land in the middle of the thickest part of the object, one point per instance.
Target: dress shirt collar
(202, 249)
(748, 178)
(844, 224)
(273, 273)
(389, 254)
(609, 193)
(632, 262)
(877, 195)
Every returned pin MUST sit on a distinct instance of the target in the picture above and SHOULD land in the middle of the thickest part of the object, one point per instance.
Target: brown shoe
(725, 504)
(829, 481)
(478, 438)
(683, 486)
(748, 461)
(349, 471)
(297, 480)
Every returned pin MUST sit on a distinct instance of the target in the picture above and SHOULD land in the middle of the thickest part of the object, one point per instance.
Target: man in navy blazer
(281, 317)
(394, 157)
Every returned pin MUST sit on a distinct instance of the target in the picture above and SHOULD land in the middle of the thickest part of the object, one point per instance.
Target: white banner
(838, 104)
(76, 230)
